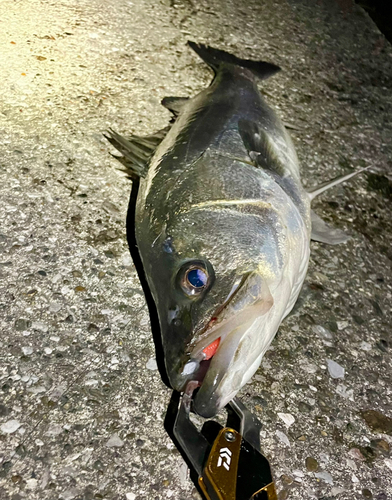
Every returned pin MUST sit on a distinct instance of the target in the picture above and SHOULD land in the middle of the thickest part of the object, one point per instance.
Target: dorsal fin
(136, 150)
(215, 58)
(174, 104)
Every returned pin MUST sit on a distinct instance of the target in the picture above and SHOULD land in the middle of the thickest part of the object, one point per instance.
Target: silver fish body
(223, 228)
(212, 197)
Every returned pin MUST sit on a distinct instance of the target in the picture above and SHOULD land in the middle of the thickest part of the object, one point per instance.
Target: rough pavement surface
(82, 404)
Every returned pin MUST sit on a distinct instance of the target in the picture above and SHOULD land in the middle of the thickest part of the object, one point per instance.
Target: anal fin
(324, 233)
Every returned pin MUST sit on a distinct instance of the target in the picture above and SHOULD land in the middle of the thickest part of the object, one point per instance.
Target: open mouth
(214, 333)
(198, 367)
(212, 365)
(227, 339)
(209, 363)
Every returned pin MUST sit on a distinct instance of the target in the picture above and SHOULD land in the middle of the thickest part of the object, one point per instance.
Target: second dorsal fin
(136, 150)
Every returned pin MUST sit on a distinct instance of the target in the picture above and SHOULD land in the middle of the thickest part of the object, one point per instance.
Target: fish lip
(179, 377)
(197, 356)
(231, 329)
(209, 408)
(208, 333)
(207, 401)
(206, 330)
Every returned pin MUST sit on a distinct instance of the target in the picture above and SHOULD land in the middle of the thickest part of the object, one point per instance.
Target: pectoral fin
(261, 149)
(136, 151)
(324, 233)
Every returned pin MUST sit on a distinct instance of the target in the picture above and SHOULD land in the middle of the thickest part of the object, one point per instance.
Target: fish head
(227, 350)
(211, 278)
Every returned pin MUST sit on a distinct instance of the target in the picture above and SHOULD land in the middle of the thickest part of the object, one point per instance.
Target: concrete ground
(82, 403)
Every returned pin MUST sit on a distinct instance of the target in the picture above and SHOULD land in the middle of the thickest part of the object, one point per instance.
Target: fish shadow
(154, 321)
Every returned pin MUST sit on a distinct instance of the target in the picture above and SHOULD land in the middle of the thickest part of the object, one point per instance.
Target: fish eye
(195, 278)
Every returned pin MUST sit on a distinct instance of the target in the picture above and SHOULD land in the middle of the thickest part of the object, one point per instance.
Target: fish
(223, 227)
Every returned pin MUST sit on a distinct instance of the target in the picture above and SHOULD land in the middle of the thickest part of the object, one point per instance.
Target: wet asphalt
(82, 403)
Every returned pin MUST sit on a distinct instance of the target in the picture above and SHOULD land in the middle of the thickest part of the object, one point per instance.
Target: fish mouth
(215, 350)
(209, 371)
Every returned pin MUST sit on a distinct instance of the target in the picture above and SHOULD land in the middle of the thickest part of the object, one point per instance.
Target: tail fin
(214, 58)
